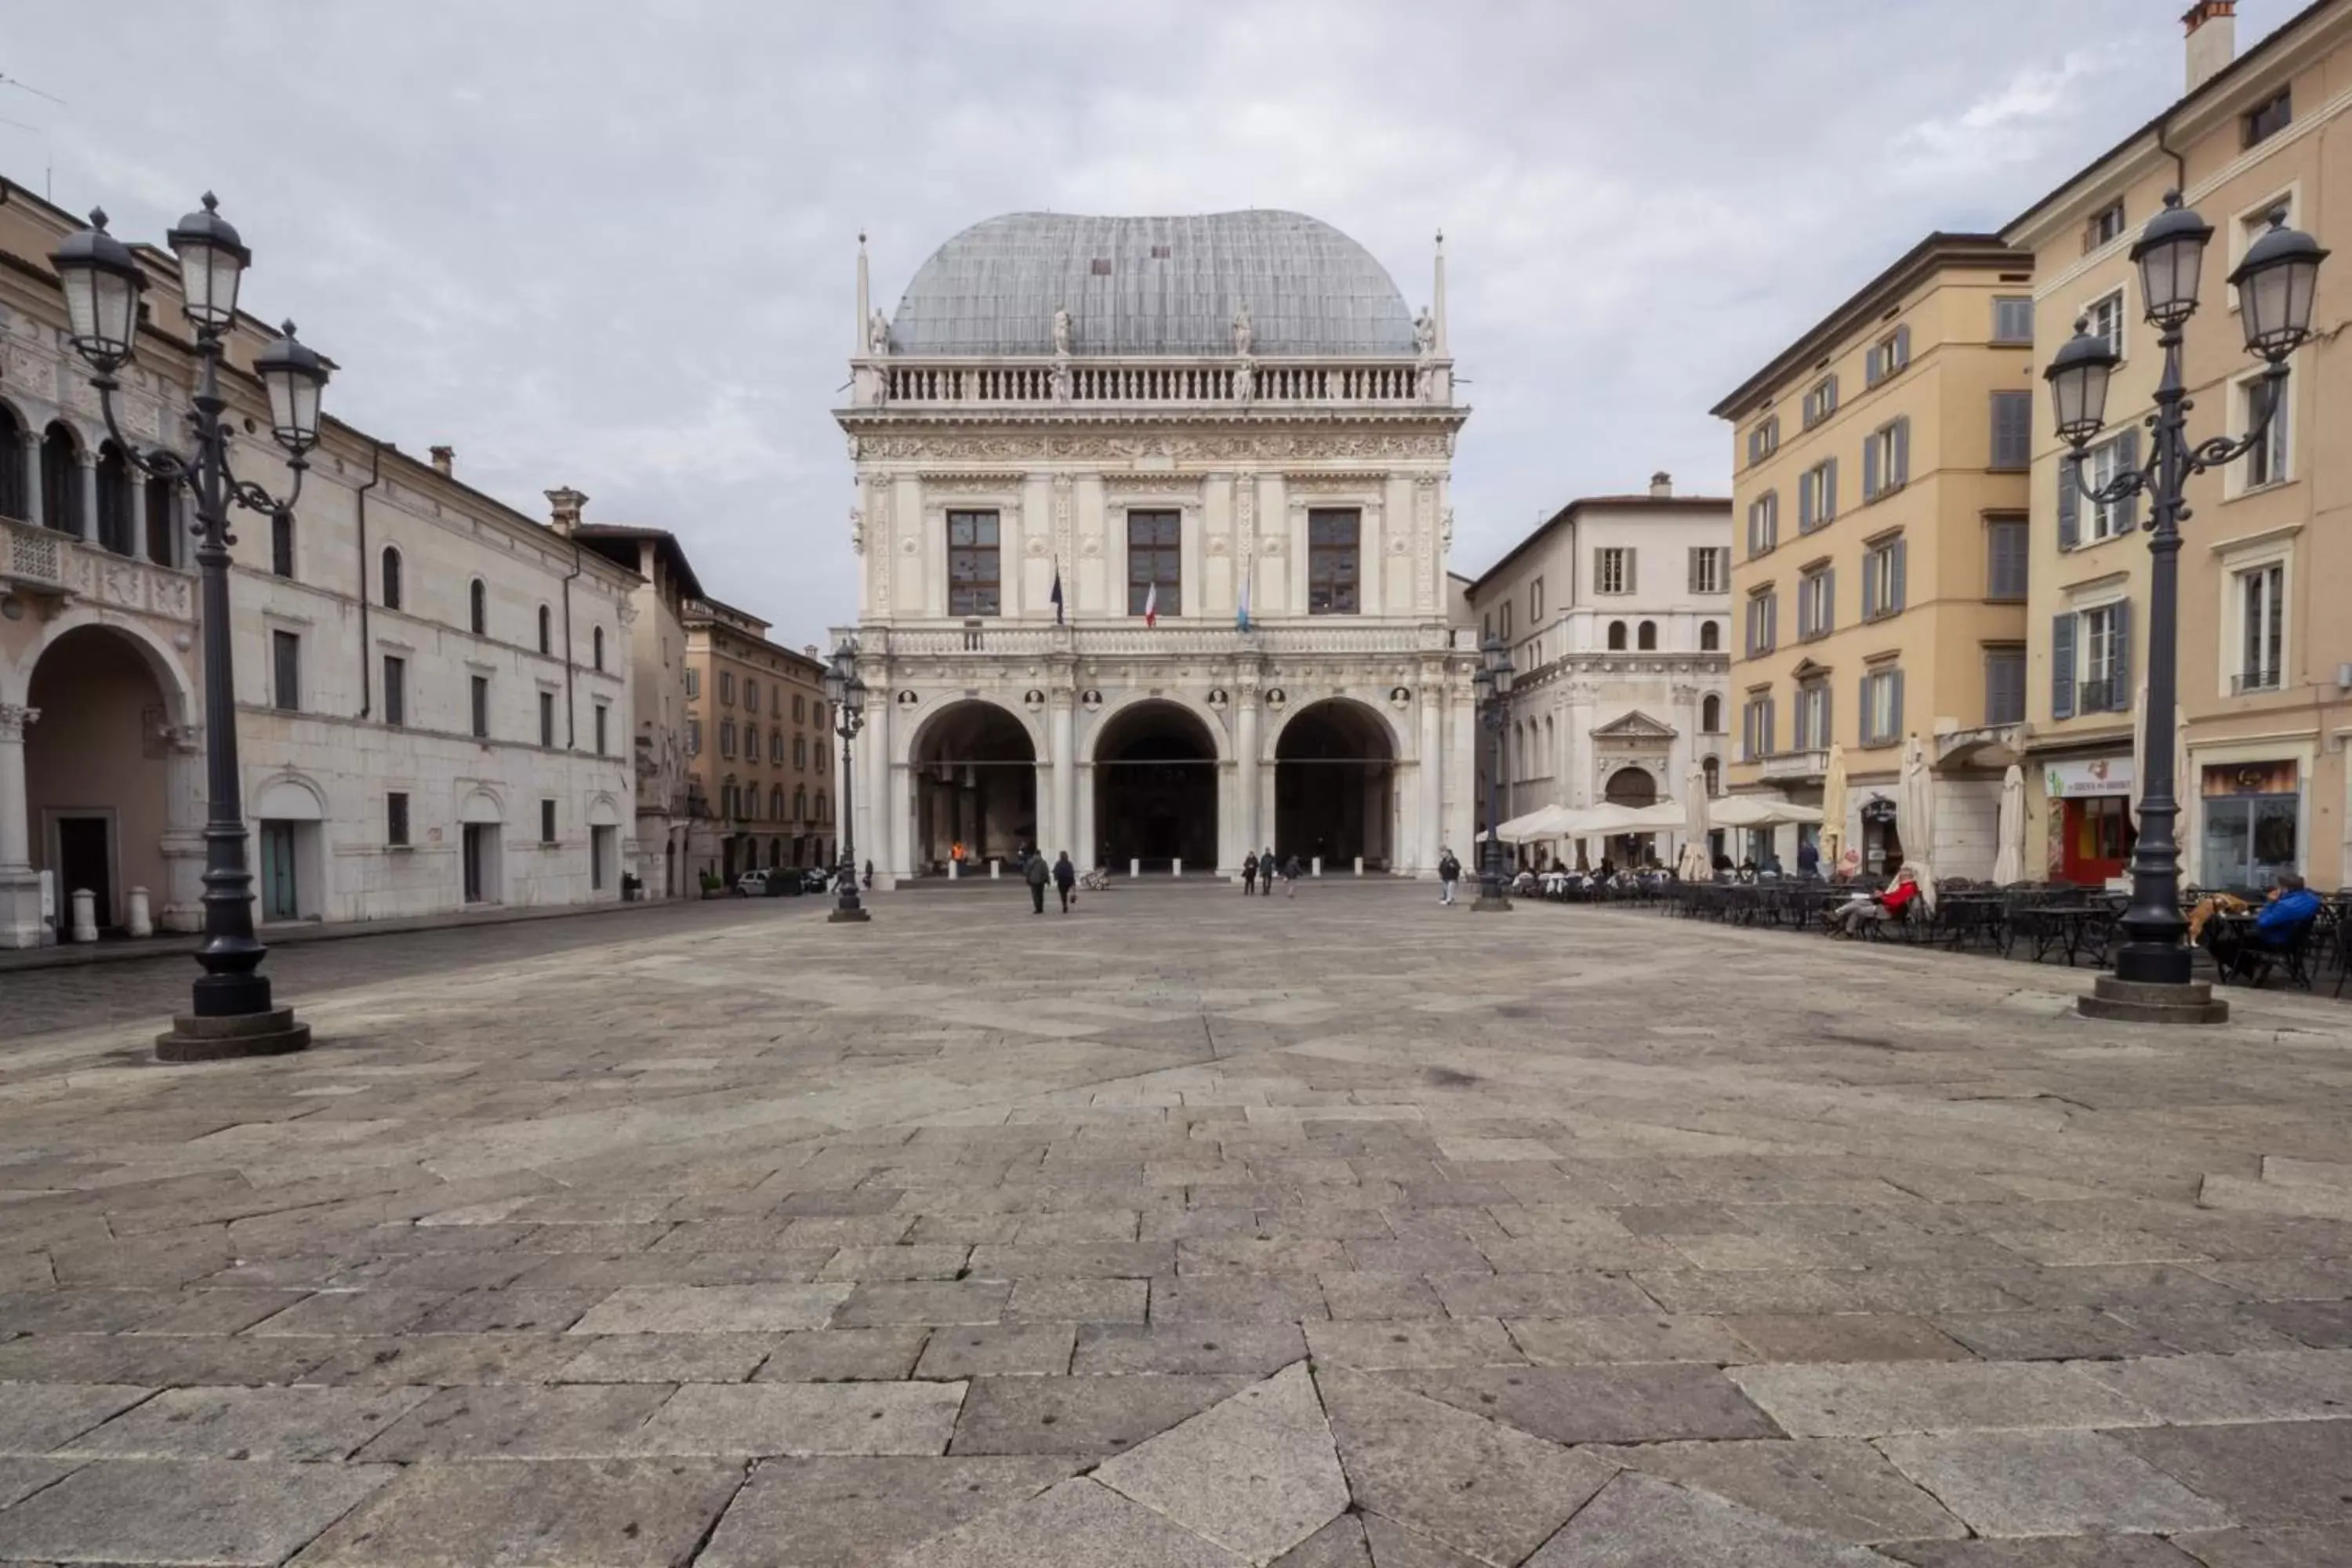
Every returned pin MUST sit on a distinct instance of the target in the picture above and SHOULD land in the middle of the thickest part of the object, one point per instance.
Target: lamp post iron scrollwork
(1493, 681)
(846, 692)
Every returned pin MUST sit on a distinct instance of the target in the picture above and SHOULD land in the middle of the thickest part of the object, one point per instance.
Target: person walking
(869, 876)
(1291, 872)
(1449, 874)
(1249, 875)
(1066, 879)
(1038, 874)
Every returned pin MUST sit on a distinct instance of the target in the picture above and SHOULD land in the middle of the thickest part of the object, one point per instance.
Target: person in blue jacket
(2281, 924)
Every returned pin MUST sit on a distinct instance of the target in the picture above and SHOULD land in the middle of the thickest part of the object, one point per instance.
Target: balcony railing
(1331, 634)
(1161, 381)
(1795, 764)
(2254, 680)
(2101, 697)
(43, 561)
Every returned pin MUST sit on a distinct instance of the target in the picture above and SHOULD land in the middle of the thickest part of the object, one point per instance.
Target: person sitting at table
(1849, 866)
(2250, 948)
(1846, 921)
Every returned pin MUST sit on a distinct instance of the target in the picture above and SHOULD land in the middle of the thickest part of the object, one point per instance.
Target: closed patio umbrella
(1914, 810)
(2139, 756)
(2009, 855)
(1695, 866)
(1833, 806)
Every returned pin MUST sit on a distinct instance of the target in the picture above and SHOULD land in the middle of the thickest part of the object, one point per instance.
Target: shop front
(2090, 819)
(2252, 813)
(1882, 837)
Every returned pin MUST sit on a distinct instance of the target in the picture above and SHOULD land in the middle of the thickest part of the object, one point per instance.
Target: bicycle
(1094, 881)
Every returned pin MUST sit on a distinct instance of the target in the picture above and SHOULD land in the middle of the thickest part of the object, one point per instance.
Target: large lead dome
(1153, 286)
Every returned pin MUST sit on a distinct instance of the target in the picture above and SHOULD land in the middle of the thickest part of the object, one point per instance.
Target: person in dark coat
(1449, 875)
(1266, 868)
(1809, 860)
(1291, 872)
(1249, 875)
(1038, 873)
(1065, 878)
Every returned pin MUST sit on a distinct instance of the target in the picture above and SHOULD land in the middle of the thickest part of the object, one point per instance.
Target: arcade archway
(975, 782)
(1155, 768)
(1334, 786)
(96, 772)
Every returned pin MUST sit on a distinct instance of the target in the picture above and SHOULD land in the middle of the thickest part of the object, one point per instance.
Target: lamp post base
(1492, 899)
(857, 913)
(2139, 1002)
(194, 1038)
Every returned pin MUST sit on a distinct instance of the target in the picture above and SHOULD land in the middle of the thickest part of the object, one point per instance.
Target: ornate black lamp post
(1494, 683)
(2276, 285)
(847, 694)
(231, 1013)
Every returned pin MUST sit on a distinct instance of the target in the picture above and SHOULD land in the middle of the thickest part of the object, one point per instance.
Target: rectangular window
(1882, 581)
(396, 819)
(2012, 431)
(1813, 716)
(1535, 603)
(727, 687)
(751, 694)
(1764, 438)
(2108, 519)
(800, 750)
(547, 718)
(2267, 120)
(727, 739)
(693, 683)
(1757, 730)
(2262, 627)
(1763, 622)
(694, 737)
(2106, 319)
(1710, 569)
(1887, 356)
(1885, 459)
(2004, 686)
(2007, 542)
(1881, 707)
(603, 717)
(1613, 569)
(2266, 459)
(281, 543)
(2106, 224)
(1821, 401)
(547, 822)
(776, 747)
(973, 572)
(2105, 651)
(1507, 620)
(395, 690)
(1816, 605)
(285, 669)
(1332, 562)
(1817, 496)
(1763, 523)
(800, 708)
(2013, 318)
(481, 707)
(1155, 563)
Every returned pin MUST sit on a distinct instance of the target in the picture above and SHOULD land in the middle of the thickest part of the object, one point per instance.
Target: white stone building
(414, 734)
(1617, 611)
(1228, 441)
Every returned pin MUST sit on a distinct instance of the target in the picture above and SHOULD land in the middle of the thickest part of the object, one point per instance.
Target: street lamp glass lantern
(2169, 255)
(102, 282)
(212, 260)
(294, 375)
(2078, 381)
(2278, 284)
(852, 697)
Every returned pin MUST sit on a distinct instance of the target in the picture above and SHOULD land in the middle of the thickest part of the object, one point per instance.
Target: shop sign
(2099, 775)
(2225, 779)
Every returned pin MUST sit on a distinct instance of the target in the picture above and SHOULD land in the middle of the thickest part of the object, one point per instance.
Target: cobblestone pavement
(1183, 1232)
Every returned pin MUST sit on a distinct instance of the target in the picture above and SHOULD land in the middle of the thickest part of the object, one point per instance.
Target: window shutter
(1771, 723)
(1829, 397)
(2062, 665)
(1828, 728)
(1875, 366)
(1868, 735)
(1829, 599)
(1870, 476)
(1828, 499)
(2070, 502)
(1771, 621)
(1901, 347)
(2119, 691)
(1895, 705)
(1805, 504)
(1869, 589)
(1902, 475)
(1751, 628)
(1755, 444)
(2127, 458)
(1898, 600)
(1694, 571)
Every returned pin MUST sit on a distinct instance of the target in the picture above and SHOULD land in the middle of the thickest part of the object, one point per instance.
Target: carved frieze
(1251, 446)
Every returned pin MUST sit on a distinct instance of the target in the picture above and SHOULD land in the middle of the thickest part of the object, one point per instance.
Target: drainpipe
(2179, 164)
(375, 475)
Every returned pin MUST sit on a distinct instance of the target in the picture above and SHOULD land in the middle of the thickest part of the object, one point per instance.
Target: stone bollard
(1319, 866)
(995, 870)
(955, 871)
(141, 922)
(1359, 864)
(1135, 868)
(1179, 867)
(85, 915)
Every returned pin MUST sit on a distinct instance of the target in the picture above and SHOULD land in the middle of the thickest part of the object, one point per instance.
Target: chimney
(809, 649)
(445, 461)
(564, 509)
(1661, 486)
(2212, 40)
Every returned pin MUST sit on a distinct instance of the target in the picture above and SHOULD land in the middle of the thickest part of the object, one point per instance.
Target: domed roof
(1153, 286)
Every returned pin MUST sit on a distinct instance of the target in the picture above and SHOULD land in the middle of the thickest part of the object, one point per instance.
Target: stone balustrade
(1151, 382)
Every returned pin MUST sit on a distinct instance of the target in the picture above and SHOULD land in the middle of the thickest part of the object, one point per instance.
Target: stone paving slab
(133, 1511)
(1641, 1520)
(850, 1512)
(1093, 1416)
(2050, 1483)
(1838, 1488)
(1868, 1400)
(293, 1424)
(622, 1512)
(1256, 1472)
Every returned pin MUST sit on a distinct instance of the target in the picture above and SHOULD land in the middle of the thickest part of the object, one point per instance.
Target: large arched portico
(98, 770)
(1155, 777)
(974, 770)
(1334, 785)
(1631, 787)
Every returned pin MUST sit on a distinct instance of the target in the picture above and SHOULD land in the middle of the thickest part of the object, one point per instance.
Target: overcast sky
(612, 245)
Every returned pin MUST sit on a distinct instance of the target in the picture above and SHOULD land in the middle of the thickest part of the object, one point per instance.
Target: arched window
(822, 814)
(1710, 638)
(164, 521)
(114, 497)
(1616, 637)
(479, 598)
(1713, 768)
(393, 587)
(597, 643)
(751, 742)
(61, 480)
(13, 500)
(1710, 714)
(775, 803)
(546, 630)
(1649, 637)
(800, 803)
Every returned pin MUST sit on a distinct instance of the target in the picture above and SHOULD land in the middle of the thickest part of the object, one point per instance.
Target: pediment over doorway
(1634, 726)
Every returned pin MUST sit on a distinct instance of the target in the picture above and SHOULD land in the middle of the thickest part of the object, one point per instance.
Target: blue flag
(1057, 593)
(1241, 613)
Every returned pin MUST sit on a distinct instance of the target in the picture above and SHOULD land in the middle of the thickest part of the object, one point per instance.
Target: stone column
(34, 501)
(183, 830)
(1246, 744)
(876, 793)
(1065, 745)
(137, 522)
(87, 461)
(1433, 773)
(20, 886)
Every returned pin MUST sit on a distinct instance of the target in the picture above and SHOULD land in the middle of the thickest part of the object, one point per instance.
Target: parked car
(817, 879)
(752, 885)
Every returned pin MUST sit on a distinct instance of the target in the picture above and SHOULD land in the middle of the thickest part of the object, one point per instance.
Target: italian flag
(1151, 606)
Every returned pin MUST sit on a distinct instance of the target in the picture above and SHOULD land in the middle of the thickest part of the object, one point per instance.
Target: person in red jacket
(1847, 920)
